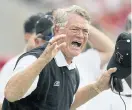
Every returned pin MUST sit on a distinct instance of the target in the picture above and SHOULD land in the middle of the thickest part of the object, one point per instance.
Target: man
(36, 24)
(90, 62)
(50, 80)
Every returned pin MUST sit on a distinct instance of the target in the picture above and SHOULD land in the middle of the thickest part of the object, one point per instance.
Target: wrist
(44, 60)
(97, 87)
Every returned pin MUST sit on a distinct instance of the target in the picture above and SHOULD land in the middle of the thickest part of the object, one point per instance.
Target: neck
(68, 59)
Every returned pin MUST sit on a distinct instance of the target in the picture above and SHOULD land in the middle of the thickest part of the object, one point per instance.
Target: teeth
(74, 45)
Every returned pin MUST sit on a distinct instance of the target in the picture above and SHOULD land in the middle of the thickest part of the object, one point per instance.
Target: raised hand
(53, 47)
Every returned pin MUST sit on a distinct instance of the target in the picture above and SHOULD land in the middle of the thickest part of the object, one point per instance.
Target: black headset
(116, 78)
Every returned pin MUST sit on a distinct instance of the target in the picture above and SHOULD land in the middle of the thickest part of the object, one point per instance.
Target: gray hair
(79, 11)
(61, 15)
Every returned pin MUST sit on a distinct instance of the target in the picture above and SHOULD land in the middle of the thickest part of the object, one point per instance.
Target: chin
(75, 53)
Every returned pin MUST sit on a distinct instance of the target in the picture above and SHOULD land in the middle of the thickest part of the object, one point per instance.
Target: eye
(74, 30)
(85, 31)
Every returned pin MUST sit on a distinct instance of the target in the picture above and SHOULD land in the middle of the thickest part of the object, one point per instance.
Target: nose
(80, 34)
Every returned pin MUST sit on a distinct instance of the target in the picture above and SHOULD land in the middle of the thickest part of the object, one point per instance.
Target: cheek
(33, 42)
(68, 41)
(85, 40)
(68, 38)
(69, 33)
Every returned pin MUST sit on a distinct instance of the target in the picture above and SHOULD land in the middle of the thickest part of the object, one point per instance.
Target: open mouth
(76, 44)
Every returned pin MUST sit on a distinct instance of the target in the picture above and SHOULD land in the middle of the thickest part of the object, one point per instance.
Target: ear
(27, 36)
(36, 41)
(39, 42)
(56, 29)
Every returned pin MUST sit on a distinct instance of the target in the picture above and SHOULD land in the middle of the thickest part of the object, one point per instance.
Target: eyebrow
(74, 26)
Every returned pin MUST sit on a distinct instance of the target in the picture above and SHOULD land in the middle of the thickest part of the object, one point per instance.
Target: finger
(60, 41)
(57, 38)
(52, 46)
(110, 71)
(61, 45)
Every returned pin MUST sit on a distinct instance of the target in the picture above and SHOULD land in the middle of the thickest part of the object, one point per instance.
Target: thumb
(111, 70)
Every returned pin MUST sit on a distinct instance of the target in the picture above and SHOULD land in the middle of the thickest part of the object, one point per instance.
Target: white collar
(61, 61)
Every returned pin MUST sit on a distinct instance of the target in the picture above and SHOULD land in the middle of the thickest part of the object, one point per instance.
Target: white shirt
(5, 75)
(88, 64)
(7, 72)
(28, 60)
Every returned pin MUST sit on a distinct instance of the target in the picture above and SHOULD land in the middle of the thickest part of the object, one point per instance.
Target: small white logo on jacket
(57, 83)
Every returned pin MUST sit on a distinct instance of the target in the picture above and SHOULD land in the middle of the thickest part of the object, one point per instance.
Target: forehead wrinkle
(79, 26)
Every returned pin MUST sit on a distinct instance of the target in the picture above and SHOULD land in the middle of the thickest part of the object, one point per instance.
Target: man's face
(31, 41)
(34, 41)
(76, 31)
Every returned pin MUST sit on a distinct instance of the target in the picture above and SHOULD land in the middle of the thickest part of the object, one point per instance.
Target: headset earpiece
(116, 84)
